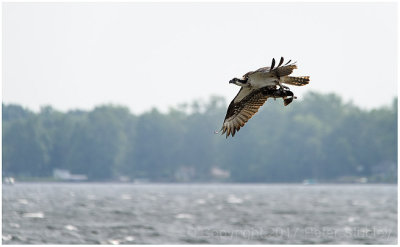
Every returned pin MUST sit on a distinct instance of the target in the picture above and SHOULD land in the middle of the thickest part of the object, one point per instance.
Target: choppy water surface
(189, 214)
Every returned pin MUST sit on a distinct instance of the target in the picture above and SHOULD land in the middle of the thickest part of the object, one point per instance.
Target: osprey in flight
(256, 87)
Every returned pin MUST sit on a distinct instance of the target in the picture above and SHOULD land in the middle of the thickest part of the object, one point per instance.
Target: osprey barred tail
(256, 87)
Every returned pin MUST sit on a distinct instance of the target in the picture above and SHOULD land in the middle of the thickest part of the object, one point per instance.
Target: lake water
(59, 213)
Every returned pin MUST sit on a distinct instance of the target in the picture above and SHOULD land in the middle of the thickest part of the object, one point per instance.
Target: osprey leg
(281, 86)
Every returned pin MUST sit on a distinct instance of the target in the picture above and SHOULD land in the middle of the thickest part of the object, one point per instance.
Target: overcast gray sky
(140, 55)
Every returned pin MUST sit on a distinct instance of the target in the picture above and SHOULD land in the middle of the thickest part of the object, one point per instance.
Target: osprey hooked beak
(238, 81)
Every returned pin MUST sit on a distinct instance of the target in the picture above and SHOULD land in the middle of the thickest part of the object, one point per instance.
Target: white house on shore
(65, 175)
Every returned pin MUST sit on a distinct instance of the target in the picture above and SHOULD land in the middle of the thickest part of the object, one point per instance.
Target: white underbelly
(260, 81)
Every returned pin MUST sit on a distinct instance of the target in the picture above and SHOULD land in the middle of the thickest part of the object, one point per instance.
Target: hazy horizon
(146, 55)
(178, 105)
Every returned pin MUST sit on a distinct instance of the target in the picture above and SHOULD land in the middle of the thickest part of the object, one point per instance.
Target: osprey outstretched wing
(272, 71)
(256, 87)
(246, 104)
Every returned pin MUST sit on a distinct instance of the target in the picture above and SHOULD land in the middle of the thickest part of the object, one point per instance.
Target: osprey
(256, 87)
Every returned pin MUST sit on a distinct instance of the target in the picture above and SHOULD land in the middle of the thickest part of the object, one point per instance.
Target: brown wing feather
(285, 70)
(240, 112)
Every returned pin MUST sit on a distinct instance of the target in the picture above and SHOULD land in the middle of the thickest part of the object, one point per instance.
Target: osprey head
(239, 82)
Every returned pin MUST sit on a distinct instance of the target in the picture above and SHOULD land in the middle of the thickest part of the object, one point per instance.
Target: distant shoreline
(54, 181)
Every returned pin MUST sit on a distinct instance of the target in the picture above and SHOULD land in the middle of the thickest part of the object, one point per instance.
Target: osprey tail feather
(297, 81)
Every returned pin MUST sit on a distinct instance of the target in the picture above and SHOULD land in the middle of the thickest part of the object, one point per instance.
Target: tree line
(319, 137)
